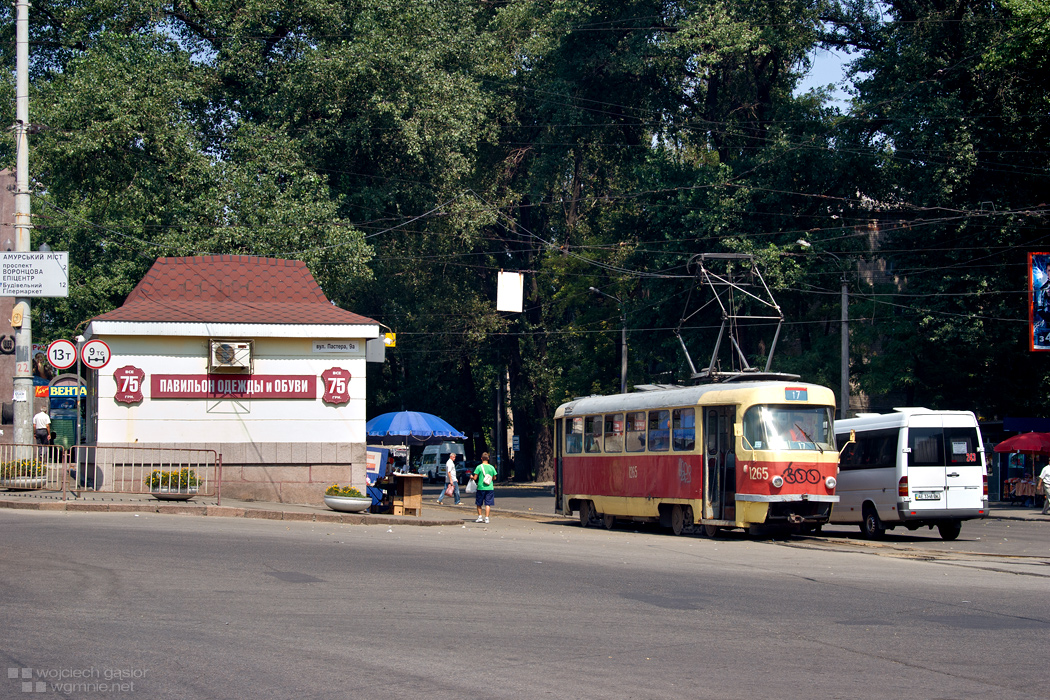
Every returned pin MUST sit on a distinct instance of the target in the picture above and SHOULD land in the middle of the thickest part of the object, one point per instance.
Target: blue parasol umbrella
(409, 428)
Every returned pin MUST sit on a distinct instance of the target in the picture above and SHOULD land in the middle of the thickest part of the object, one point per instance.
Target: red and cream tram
(729, 455)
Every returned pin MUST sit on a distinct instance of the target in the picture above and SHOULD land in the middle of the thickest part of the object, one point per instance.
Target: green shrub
(349, 491)
(23, 469)
(182, 479)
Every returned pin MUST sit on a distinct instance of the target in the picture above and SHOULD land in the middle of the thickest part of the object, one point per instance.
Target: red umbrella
(1033, 443)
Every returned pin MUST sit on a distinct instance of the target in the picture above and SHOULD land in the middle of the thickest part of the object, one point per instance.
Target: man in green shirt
(485, 475)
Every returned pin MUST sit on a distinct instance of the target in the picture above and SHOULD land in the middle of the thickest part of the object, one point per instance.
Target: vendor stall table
(404, 494)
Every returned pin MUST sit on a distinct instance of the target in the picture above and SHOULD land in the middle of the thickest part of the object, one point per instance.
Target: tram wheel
(677, 520)
(586, 513)
(608, 521)
(712, 531)
(690, 523)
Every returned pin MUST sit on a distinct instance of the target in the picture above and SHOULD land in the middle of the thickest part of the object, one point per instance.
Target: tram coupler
(796, 519)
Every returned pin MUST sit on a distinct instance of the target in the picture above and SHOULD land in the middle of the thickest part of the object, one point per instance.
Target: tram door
(719, 463)
(558, 465)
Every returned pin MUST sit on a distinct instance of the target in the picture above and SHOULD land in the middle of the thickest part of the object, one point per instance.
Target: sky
(829, 67)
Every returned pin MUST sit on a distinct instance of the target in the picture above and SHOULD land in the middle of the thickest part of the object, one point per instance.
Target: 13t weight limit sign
(62, 354)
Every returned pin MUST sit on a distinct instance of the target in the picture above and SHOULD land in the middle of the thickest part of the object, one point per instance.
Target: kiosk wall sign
(129, 384)
(336, 385)
(222, 386)
(335, 346)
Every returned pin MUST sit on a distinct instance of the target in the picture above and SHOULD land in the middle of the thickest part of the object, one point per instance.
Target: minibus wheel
(872, 528)
(950, 529)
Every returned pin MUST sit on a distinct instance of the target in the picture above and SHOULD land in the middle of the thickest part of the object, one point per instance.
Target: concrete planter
(347, 504)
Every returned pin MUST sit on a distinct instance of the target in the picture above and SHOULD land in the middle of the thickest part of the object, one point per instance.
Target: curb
(252, 513)
(223, 512)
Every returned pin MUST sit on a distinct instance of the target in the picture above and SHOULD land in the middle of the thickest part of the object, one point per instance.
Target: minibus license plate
(927, 496)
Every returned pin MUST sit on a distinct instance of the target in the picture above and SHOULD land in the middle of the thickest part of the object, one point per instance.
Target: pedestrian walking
(450, 479)
(42, 427)
(485, 475)
(1044, 476)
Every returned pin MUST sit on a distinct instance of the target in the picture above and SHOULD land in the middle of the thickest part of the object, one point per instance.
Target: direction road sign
(34, 274)
(95, 354)
(62, 354)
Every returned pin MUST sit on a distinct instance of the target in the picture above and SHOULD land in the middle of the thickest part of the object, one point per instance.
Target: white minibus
(432, 463)
(913, 467)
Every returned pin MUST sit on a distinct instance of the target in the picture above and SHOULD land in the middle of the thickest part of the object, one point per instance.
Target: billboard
(1038, 301)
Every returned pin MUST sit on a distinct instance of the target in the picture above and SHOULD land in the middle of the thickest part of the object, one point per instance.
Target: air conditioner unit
(231, 354)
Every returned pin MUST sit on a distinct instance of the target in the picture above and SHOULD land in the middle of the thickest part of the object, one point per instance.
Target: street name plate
(34, 274)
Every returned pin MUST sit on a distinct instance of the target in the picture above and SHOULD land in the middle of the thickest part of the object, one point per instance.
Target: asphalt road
(187, 607)
(989, 536)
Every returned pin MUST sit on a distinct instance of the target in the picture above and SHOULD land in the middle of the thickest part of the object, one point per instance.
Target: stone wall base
(272, 472)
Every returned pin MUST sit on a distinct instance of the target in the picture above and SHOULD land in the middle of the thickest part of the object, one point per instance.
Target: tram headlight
(778, 481)
(831, 482)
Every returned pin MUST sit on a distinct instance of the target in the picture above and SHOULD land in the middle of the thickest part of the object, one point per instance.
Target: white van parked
(913, 467)
(432, 464)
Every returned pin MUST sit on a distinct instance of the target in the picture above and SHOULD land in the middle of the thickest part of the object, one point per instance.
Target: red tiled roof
(230, 289)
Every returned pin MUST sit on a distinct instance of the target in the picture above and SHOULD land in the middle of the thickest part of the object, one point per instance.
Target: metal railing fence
(161, 472)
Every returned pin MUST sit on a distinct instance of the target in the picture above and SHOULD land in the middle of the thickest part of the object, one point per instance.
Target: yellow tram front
(786, 461)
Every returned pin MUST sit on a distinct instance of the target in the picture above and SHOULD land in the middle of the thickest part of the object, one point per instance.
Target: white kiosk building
(245, 356)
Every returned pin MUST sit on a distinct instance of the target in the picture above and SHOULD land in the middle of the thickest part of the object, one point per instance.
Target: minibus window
(940, 447)
(876, 449)
(927, 447)
(962, 446)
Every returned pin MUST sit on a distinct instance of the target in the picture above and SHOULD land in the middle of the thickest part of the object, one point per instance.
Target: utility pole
(23, 379)
(844, 376)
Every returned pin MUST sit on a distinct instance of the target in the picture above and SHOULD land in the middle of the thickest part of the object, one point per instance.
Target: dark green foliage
(410, 151)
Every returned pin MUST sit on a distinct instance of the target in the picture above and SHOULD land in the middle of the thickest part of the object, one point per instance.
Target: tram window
(684, 425)
(592, 434)
(614, 432)
(636, 432)
(712, 432)
(788, 428)
(659, 437)
(574, 437)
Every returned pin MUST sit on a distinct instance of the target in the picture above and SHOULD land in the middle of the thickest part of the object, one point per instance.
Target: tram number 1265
(757, 473)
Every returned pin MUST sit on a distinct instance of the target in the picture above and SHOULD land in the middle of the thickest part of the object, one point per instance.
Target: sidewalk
(1011, 511)
(518, 501)
(95, 502)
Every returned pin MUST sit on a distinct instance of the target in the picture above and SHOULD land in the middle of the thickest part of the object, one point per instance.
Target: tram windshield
(789, 428)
